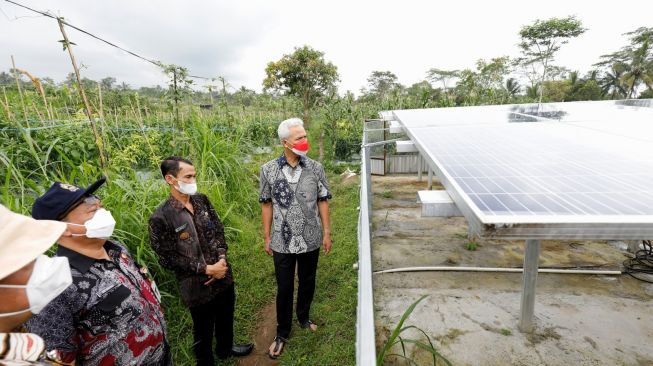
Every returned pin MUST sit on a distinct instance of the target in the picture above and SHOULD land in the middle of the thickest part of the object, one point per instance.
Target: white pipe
(491, 269)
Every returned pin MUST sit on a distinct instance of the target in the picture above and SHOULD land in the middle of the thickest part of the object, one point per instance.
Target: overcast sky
(236, 39)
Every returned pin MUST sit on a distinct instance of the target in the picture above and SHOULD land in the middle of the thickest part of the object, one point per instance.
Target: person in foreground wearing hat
(188, 236)
(28, 281)
(294, 195)
(111, 314)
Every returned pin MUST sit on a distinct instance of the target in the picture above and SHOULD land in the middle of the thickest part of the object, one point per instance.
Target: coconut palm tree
(611, 83)
(640, 68)
(629, 67)
(512, 87)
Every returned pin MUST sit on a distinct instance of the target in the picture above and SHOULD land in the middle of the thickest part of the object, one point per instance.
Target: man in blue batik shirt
(294, 196)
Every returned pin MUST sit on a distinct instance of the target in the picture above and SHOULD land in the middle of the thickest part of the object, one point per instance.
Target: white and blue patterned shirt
(294, 193)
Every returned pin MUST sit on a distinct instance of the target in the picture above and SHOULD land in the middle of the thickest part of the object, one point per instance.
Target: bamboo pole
(138, 108)
(36, 109)
(99, 92)
(20, 90)
(98, 138)
(176, 96)
(39, 88)
(137, 116)
(10, 115)
(115, 117)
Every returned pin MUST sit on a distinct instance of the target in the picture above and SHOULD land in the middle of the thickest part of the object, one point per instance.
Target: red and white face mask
(300, 148)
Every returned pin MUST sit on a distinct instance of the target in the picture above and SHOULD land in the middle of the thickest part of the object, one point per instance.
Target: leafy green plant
(396, 339)
(387, 194)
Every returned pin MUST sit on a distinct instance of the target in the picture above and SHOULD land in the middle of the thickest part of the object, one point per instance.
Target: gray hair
(284, 127)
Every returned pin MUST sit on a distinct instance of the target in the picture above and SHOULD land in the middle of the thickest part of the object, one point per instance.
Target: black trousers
(215, 317)
(284, 268)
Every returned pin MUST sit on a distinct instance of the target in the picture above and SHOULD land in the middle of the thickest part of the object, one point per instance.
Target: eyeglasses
(90, 200)
(87, 200)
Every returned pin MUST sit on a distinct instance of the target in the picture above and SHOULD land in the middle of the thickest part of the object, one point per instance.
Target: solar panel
(560, 170)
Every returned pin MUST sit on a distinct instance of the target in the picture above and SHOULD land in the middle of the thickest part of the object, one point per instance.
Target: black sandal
(279, 345)
(307, 325)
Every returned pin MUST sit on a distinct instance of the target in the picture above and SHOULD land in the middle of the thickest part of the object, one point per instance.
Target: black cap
(60, 198)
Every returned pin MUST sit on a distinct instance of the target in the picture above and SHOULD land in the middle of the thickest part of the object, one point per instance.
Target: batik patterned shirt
(186, 242)
(110, 315)
(294, 193)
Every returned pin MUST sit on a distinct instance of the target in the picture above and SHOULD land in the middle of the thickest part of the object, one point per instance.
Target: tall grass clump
(397, 341)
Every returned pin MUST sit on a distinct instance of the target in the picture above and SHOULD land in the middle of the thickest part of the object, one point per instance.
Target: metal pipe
(495, 269)
(377, 129)
(365, 334)
(379, 143)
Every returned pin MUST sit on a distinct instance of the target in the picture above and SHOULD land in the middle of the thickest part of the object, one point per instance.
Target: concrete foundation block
(437, 204)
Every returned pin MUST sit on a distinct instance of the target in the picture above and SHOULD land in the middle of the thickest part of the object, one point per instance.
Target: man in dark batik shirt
(111, 314)
(295, 210)
(188, 236)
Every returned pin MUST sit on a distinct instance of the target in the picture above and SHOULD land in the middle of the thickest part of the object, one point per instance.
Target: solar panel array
(559, 164)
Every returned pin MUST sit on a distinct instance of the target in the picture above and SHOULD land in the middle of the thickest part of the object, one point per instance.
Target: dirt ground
(472, 317)
(265, 332)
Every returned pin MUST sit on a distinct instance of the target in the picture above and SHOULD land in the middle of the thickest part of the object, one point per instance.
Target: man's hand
(267, 246)
(326, 243)
(217, 270)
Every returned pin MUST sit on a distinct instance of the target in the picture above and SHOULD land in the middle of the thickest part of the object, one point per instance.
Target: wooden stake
(138, 108)
(98, 138)
(39, 88)
(20, 90)
(174, 83)
(36, 109)
(10, 115)
(99, 92)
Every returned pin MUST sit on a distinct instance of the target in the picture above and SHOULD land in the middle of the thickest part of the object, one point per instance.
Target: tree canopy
(304, 74)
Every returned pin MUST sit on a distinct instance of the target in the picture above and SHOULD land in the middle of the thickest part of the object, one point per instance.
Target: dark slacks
(214, 318)
(284, 268)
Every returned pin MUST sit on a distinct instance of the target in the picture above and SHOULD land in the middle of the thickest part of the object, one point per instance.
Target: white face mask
(100, 226)
(50, 277)
(298, 152)
(186, 188)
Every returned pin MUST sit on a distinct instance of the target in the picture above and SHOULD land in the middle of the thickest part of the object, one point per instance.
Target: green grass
(472, 246)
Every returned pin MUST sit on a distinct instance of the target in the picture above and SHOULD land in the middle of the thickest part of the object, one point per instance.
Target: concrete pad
(437, 203)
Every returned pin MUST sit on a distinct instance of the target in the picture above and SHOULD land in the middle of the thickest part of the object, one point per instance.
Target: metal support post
(531, 257)
(368, 174)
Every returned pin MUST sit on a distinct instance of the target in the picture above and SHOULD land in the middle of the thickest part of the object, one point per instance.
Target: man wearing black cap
(111, 314)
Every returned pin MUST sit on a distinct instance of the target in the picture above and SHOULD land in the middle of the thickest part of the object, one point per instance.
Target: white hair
(284, 127)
